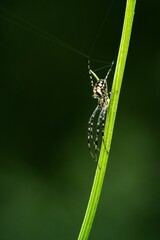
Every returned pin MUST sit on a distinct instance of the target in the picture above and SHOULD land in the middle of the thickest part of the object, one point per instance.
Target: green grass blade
(109, 125)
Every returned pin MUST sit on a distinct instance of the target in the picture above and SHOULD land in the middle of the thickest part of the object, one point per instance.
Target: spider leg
(90, 74)
(103, 120)
(109, 70)
(90, 131)
(103, 123)
(97, 130)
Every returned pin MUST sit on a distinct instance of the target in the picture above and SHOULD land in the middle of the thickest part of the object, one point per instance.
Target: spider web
(25, 24)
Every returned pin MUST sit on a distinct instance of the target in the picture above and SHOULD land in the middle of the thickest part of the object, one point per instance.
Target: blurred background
(46, 170)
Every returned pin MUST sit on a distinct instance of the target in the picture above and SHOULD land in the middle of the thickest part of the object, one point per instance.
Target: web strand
(40, 32)
(101, 27)
(44, 34)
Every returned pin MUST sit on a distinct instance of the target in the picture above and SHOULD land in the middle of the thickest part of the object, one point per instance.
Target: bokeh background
(46, 171)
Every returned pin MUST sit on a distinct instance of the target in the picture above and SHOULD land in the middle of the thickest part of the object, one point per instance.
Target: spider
(100, 92)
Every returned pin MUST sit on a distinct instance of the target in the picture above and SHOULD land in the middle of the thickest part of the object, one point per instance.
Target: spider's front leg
(90, 131)
(103, 125)
(103, 121)
(97, 131)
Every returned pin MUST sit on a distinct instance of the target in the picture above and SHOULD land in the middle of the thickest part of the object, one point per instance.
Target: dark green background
(46, 171)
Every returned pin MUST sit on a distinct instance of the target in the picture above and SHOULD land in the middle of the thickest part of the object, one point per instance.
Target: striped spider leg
(100, 92)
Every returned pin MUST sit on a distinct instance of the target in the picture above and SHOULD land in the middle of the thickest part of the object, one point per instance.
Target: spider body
(100, 92)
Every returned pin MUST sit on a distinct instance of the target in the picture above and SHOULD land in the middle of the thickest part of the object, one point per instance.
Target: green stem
(109, 125)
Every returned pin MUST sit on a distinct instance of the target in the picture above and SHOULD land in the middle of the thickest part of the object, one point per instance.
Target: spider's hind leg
(90, 74)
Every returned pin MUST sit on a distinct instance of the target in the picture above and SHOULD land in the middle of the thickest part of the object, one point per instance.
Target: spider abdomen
(99, 89)
(100, 92)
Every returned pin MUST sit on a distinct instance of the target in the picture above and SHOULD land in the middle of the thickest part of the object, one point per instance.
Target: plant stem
(109, 125)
